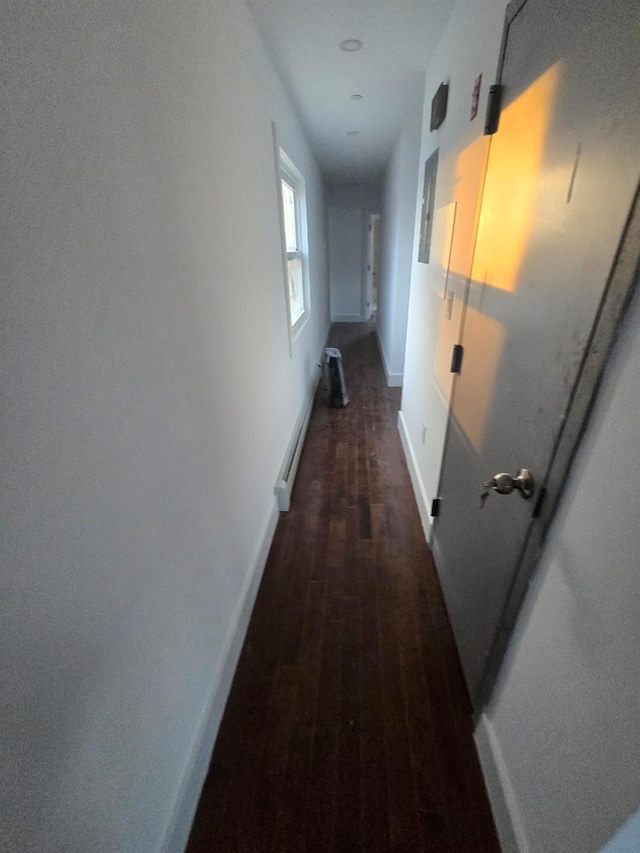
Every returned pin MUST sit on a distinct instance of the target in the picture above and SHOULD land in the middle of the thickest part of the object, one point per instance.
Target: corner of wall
(197, 766)
(501, 794)
(394, 380)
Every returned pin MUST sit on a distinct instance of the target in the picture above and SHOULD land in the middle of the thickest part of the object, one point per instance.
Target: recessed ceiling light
(355, 97)
(350, 45)
(353, 133)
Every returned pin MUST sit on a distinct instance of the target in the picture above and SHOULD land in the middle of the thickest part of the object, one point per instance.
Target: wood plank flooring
(348, 727)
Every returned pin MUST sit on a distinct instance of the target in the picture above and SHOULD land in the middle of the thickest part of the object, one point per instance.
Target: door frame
(370, 266)
(618, 290)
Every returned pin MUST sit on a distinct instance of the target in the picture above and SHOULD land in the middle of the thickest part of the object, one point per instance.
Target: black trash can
(338, 397)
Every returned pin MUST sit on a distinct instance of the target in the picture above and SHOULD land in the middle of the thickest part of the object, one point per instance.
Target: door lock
(504, 484)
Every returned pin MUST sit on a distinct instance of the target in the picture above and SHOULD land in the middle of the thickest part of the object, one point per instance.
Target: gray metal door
(561, 179)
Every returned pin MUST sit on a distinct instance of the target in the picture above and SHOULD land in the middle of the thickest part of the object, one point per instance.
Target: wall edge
(502, 797)
(422, 499)
(394, 380)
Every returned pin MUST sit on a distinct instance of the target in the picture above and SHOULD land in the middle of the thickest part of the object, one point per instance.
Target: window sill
(296, 330)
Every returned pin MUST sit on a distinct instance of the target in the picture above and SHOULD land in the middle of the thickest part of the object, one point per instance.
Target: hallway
(348, 726)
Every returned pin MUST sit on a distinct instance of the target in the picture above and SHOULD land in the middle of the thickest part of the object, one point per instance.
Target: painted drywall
(398, 217)
(469, 47)
(349, 208)
(148, 398)
(565, 715)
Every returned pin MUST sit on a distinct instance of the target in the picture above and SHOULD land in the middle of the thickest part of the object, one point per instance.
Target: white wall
(565, 715)
(398, 217)
(148, 398)
(349, 208)
(469, 47)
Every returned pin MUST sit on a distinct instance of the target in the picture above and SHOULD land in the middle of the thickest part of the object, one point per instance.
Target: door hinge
(456, 358)
(493, 110)
(435, 507)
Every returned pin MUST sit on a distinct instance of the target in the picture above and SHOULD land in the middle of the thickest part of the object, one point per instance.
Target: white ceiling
(398, 37)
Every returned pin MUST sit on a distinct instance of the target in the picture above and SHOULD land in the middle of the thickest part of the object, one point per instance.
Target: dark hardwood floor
(348, 727)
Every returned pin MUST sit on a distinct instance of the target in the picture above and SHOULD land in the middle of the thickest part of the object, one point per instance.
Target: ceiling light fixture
(355, 97)
(353, 133)
(350, 45)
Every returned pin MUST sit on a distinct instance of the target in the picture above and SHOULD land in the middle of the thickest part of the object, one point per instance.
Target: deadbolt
(504, 484)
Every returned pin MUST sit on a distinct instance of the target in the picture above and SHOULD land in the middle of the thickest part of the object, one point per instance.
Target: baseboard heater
(287, 475)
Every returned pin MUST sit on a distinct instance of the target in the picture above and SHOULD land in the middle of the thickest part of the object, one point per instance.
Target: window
(294, 234)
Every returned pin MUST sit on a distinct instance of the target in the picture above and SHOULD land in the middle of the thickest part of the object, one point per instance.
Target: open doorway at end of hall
(372, 267)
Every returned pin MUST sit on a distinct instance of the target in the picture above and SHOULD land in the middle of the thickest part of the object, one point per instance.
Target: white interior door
(562, 174)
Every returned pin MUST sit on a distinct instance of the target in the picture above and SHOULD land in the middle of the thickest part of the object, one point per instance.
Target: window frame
(289, 174)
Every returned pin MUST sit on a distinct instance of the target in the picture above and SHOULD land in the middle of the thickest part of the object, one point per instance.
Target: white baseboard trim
(422, 499)
(394, 380)
(348, 318)
(181, 819)
(501, 794)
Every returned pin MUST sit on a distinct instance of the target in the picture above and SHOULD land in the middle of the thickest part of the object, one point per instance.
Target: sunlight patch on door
(509, 203)
(484, 339)
(514, 175)
(469, 170)
(442, 236)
